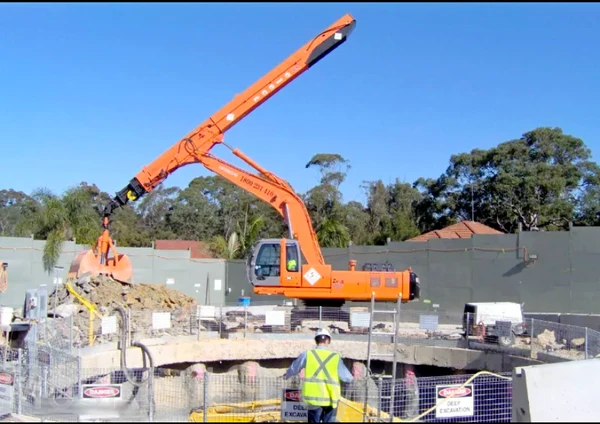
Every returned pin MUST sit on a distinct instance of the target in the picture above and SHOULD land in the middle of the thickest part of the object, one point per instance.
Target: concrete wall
(565, 278)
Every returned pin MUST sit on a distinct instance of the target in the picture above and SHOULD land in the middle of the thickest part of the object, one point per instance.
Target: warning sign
(454, 401)
(292, 408)
(7, 391)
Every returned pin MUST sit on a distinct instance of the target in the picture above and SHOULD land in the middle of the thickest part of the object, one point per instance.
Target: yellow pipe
(90, 306)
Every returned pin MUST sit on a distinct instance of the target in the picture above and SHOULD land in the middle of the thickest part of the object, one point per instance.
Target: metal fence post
(71, 322)
(151, 394)
(585, 343)
(199, 320)
(79, 391)
(205, 398)
(220, 321)
(19, 381)
(531, 339)
(245, 320)
(379, 403)
(320, 316)
(44, 381)
(129, 332)
(468, 330)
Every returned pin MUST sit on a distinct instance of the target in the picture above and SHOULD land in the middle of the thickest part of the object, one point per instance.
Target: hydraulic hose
(150, 365)
(124, 345)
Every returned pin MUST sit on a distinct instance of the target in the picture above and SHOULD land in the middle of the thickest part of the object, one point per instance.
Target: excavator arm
(198, 143)
(277, 193)
(203, 138)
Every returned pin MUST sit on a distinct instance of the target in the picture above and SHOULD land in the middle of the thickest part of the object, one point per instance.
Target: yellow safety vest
(291, 265)
(321, 380)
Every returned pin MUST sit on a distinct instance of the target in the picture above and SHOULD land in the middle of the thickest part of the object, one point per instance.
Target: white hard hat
(322, 332)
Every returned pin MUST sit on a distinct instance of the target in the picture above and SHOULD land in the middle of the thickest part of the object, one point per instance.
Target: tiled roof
(198, 249)
(464, 229)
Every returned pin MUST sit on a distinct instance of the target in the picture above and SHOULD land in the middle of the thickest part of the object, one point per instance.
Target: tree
(225, 249)
(324, 202)
(58, 219)
(541, 181)
(356, 219)
(154, 210)
(391, 211)
(403, 199)
(193, 216)
(537, 181)
(11, 206)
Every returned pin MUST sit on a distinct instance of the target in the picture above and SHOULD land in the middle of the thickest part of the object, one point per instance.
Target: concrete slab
(216, 350)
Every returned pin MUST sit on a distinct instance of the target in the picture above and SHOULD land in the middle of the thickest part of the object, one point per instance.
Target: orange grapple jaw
(88, 264)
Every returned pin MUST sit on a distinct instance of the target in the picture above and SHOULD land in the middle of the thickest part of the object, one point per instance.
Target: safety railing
(531, 338)
(428, 327)
(537, 339)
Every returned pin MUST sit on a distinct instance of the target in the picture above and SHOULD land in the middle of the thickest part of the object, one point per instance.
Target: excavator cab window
(264, 263)
(291, 257)
(267, 261)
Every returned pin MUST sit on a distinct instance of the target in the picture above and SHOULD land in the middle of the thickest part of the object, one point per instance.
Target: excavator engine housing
(277, 267)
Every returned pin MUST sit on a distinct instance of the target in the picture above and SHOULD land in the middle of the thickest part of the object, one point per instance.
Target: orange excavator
(308, 278)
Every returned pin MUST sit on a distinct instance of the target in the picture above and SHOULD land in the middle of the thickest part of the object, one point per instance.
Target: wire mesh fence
(521, 337)
(593, 343)
(46, 382)
(559, 340)
(461, 398)
(85, 329)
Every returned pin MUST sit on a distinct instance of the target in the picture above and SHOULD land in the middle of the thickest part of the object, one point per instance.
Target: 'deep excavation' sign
(292, 408)
(454, 400)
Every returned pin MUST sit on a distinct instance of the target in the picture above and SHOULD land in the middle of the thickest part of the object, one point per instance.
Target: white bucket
(6, 315)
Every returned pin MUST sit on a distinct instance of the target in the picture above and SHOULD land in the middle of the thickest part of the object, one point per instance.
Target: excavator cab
(263, 265)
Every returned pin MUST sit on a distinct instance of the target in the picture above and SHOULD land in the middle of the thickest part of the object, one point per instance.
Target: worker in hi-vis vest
(291, 265)
(323, 370)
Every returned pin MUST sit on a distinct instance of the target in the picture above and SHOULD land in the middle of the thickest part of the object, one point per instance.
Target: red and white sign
(293, 395)
(7, 391)
(6, 379)
(454, 400)
(292, 408)
(101, 391)
(455, 392)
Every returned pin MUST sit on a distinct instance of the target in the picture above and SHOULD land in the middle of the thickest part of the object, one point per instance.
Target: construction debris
(547, 341)
(104, 294)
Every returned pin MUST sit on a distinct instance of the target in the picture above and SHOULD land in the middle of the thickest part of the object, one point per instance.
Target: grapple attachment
(87, 263)
(99, 261)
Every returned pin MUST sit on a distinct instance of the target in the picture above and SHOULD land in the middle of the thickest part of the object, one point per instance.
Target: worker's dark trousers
(322, 414)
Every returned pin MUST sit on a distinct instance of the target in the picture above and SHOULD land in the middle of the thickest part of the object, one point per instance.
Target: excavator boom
(203, 138)
(200, 141)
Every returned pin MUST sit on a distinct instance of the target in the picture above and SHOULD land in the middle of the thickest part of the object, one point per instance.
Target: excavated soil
(105, 294)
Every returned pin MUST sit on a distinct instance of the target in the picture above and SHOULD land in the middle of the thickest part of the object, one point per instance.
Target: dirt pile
(105, 294)
(547, 341)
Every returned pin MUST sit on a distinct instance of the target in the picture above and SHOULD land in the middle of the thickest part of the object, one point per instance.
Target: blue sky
(93, 92)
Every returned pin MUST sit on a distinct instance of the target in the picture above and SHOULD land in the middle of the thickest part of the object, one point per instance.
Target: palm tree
(239, 242)
(226, 249)
(332, 233)
(250, 234)
(58, 219)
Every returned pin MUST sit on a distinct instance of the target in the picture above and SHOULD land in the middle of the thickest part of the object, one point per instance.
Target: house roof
(198, 249)
(464, 229)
